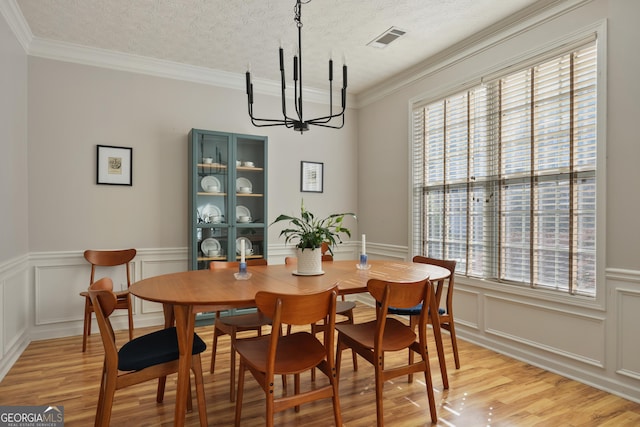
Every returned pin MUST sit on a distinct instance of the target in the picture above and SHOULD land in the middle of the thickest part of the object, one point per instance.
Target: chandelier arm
(326, 119)
(324, 125)
(283, 85)
(270, 122)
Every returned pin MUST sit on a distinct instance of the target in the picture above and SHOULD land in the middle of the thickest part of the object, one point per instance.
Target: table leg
(437, 334)
(185, 323)
(169, 318)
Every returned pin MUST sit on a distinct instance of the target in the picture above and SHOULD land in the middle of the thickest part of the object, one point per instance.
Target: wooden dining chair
(277, 354)
(445, 314)
(108, 259)
(231, 325)
(343, 308)
(154, 355)
(373, 339)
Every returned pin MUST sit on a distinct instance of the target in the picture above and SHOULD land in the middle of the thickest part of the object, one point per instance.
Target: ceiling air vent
(384, 39)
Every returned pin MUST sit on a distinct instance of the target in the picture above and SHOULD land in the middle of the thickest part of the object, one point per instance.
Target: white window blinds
(505, 176)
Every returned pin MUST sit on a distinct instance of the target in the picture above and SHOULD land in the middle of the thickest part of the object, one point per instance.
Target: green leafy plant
(309, 232)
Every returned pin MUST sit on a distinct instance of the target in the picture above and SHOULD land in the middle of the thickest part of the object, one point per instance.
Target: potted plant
(309, 232)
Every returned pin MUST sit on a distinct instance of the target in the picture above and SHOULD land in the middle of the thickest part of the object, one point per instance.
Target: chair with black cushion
(373, 339)
(231, 325)
(445, 314)
(277, 354)
(98, 258)
(154, 355)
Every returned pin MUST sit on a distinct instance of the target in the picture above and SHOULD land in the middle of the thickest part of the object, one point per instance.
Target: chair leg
(339, 349)
(269, 392)
(337, 415)
(107, 398)
(240, 394)
(100, 406)
(196, 367)
(86, 331)
(413, 322)
(428, 380)
(232, 379)
(454, 341)
(214, 350)
(354, 355)
(130, 313)
(379, 389)
(189, 397)
(162, 381)
(296, 388)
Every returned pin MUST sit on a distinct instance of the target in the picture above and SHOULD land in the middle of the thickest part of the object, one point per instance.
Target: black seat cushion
(412, 311)
(153, 349)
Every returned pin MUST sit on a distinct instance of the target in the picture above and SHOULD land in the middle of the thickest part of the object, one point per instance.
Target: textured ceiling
(229, 35)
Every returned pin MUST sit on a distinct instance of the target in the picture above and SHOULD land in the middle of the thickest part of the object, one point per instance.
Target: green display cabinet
(227, 197)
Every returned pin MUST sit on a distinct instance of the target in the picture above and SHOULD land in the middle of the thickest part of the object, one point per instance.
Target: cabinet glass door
(212, 154)
(250, 195)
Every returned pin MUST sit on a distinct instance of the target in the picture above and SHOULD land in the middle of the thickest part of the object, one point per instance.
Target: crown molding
(13, 15)
(518, 23)
(69, 52)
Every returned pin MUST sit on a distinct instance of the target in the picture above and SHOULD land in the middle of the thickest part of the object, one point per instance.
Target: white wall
(13, 146)
(15, 306)
(72, 108)
(594, 342)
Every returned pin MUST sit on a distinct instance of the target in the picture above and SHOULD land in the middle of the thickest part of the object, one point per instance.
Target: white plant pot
(309, 261)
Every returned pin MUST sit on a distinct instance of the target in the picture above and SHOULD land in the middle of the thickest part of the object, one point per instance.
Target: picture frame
(311, 177)
(114, 165)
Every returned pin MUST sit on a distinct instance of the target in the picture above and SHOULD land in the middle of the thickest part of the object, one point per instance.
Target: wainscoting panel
(15, 311)
(466, 307)
(151, 268)
(58, 287)
(15, 301)
(570, 334)
(628, 307)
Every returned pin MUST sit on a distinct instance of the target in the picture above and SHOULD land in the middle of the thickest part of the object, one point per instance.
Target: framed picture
(311, 177)
(114, 165)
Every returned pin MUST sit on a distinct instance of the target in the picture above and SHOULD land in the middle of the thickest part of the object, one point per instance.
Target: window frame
(537, 55)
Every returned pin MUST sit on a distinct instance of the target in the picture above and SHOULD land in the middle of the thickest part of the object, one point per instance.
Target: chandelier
(297, 122)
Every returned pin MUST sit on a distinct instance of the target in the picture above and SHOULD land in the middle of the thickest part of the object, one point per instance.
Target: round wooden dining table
(218, 289)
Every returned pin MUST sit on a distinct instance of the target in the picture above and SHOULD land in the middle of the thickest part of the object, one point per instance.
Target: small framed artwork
(311, 177)
(114, 165)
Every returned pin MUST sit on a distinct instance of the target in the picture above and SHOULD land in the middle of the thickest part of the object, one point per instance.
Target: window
(505, 176)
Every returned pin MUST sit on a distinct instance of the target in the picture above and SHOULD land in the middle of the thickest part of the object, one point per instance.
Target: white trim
(69, 52)
(15, 19)
(487, 39)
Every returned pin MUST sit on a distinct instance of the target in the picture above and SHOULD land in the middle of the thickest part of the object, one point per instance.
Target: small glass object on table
(363, 264)
(242, 273)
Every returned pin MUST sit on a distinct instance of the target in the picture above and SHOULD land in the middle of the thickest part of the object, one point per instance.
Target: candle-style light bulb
(330, 69)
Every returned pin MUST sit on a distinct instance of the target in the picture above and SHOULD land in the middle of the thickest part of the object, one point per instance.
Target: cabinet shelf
(249, 169)
(212, 165)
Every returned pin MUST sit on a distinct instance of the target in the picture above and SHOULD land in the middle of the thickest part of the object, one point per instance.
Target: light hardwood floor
(488, 390)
